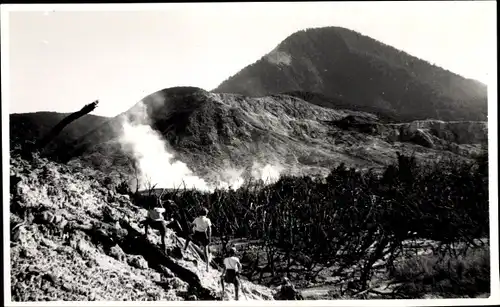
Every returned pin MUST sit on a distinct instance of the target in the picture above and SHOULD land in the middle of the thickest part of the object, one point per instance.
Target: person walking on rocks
(156, 220)
(202, 228)
(231, 272)
(174, 223)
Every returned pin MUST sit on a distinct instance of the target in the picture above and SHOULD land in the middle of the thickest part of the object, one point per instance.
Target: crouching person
(231, 273)
(287, 291)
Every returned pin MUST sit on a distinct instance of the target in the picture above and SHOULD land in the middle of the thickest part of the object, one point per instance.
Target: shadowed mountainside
(31, 127)
(343, 65)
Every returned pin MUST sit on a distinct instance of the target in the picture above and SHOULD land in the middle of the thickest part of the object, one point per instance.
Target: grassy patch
(446, 276)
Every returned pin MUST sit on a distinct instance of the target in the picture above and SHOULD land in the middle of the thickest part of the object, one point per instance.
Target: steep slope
(322, 100)
(346, 66)
(30, 127)
(74, 239)
(213, 133)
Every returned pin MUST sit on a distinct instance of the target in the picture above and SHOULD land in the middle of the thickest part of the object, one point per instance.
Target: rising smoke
(156, 164)
(267, 173)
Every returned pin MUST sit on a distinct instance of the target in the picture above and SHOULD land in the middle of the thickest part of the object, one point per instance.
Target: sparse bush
(467, 275)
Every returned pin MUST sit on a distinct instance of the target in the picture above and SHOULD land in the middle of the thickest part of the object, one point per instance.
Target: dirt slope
(81, 241)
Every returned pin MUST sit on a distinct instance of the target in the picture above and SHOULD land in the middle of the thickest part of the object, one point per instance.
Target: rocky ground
(74, 240)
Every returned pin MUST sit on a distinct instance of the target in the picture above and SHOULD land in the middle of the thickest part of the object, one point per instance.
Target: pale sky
(61, 57)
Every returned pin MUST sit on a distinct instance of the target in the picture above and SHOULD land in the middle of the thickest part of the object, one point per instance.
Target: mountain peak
(338, 62)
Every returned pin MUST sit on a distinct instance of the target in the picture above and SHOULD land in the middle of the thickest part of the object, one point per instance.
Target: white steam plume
(230, 178)
(267, 173)
(156, 164)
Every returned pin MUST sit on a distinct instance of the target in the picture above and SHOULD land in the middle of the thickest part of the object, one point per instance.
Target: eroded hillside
(212, 133)
(74, 239)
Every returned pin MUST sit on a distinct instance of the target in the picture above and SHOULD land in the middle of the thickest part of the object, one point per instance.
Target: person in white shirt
(156, 220)
(202, 228)
(231, 273)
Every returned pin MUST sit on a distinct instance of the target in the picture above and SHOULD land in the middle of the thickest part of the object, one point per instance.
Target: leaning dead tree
(63, 123)
(42, 143)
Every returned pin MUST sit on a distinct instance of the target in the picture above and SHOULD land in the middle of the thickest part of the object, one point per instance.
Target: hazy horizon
(61, 60)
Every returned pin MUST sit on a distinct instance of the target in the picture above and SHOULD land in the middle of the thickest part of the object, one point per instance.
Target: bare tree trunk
(63, 123)
(376, 255)
(290, 244)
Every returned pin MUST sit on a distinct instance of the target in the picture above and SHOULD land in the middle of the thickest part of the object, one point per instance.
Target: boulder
(117, 253)
(137, 261)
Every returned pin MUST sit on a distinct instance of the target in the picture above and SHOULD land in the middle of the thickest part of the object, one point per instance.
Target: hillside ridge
(220, 136)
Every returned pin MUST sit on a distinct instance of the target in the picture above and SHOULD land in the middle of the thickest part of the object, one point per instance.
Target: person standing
(202, 227)
(231, 272)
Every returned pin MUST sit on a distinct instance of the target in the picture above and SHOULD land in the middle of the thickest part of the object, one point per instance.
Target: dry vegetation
(351, 222)
(465, 275)
(80, 237)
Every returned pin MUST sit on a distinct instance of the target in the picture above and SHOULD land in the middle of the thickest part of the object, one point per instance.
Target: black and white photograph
(292, 153)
